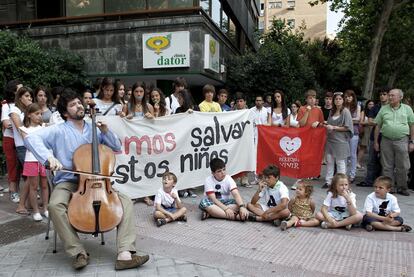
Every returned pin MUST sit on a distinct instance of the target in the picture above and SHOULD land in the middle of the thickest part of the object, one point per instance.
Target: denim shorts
(368, 220)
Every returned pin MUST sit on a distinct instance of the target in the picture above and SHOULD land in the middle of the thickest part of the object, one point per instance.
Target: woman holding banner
(340, 132)
(279, 111)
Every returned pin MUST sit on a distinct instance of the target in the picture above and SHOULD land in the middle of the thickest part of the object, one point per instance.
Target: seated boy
(222, 196)
(168, 206)
(270, 202)
(381, 209)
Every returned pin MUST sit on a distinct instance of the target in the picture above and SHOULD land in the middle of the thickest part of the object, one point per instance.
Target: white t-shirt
(5, 111)
(222, 189)
(174, 105)
(381, 206)
(277, 118)
(28, 130)
(165, 199)
(18, 140)
(339, 203)
(104, 106)
(260, 118)
(271, 197)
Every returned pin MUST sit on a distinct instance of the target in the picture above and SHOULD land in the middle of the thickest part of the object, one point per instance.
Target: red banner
(298, 152)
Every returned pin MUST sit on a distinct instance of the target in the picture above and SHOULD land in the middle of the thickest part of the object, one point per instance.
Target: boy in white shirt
(381, 209)
(270, 202)
(222, 199)
(167, 203)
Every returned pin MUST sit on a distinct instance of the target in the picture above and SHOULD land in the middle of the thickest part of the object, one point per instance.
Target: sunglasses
(338, 93)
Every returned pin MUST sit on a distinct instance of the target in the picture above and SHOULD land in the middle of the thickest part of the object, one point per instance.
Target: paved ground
(218, 247)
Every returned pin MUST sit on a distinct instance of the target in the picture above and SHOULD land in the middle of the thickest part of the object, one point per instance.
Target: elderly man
(395, 121)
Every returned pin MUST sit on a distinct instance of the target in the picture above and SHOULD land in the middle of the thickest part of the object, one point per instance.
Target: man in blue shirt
(63, 139)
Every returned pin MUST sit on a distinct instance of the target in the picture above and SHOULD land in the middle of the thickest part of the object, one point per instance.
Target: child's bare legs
(268, 215)
(394, 226)
(32, 183)
(174, 216)
(313, 222)
(45, 192)
(21, 208)
(353, 219)
(217, 212)
(292, 221)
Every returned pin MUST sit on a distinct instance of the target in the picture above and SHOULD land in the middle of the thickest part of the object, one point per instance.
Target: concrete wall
(115, 47)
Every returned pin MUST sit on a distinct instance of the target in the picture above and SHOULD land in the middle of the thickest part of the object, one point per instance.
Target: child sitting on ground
(270, 202)
(167, 203)
(222, 196)
(302, 208)
(339, 207)
(381, 209)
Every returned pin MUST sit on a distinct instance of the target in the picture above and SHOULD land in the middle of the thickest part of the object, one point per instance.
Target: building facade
(296, 13)
(146, 40)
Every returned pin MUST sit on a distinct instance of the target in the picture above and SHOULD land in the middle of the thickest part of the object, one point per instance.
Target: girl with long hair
(352, 105)
(279, 110)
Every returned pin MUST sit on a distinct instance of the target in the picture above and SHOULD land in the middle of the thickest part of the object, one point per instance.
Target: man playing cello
(63, 139)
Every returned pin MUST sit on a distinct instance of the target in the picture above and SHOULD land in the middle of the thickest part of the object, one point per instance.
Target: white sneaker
(37, 217)
(14, 197)
(46, 214)
(324, 225)
(348, 227)
(1, 188)
(6, 190)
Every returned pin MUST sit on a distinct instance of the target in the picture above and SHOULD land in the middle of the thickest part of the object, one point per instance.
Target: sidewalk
(222, 248)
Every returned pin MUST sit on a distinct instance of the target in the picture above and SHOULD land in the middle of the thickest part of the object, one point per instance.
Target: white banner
(183, 144)
(165, 50)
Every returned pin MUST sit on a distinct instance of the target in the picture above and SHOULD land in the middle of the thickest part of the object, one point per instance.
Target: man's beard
(77, 115)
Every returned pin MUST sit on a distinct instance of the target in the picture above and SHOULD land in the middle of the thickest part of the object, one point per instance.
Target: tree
(22, 58)
(367, 20)
(279, 63)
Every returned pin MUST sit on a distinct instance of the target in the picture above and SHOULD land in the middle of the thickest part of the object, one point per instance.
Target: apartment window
(291, 5)
(262, 9)
(205, 5)
(291, 23)
(216, 11)
(224, 22)
(275, 5)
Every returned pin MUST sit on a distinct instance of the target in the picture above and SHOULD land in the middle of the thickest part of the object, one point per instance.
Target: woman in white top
(22, 101)
(279, 111)
(107, 101)
(291, 119)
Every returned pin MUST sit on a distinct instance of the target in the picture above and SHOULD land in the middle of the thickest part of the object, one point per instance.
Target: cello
(95, 207)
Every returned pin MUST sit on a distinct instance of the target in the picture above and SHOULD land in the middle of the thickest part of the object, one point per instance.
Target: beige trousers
(58, 206)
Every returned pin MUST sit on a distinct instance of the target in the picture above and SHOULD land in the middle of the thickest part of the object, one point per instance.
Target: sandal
(23, 212)
(182, 218)
(161, 221)
(405, 228)
(298, 223)
(204, 215)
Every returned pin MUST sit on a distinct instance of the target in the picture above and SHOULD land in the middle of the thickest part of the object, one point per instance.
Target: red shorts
(33, 169)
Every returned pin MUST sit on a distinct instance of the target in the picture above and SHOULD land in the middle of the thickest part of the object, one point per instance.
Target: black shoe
(251, 217)
(363, 184)
(325, 186)
(160, 222)
(403, 192)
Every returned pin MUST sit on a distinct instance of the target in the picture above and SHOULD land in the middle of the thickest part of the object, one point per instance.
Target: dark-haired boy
(381, 209)
(270, 202)
(222, 199)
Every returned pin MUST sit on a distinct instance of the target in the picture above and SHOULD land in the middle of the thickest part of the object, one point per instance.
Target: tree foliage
(279, 63)
(24, 59)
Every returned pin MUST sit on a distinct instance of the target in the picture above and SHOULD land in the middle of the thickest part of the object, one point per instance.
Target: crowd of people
(385, 130)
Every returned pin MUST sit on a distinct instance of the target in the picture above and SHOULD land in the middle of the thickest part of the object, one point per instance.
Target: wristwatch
(242, 206)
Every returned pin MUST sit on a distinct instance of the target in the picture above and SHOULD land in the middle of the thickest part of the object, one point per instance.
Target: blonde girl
(339, 207)
(302, 208)
(32, 169)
